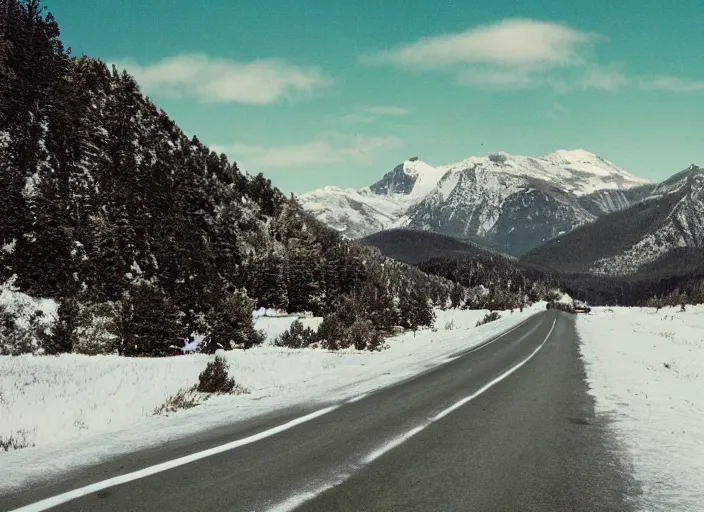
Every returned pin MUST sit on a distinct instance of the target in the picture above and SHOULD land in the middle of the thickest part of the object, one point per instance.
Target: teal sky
(326, 92)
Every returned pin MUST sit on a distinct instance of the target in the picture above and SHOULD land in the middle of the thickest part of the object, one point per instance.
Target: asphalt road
(506, 427)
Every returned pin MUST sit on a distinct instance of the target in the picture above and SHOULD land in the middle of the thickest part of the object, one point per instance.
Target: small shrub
(23, 332)
(215, 379)
(362, 335)
(335, 333)
(296, 336)
(489, 317)
(183, 399)
(95, 330)
(15, 443)
(15, 339)
(449, 326)
(331, 331)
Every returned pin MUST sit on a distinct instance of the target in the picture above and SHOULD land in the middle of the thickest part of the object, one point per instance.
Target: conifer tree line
(492, 282)
(110, 209)
(507, 284)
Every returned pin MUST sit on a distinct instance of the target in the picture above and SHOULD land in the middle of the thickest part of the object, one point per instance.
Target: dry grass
(188, 398)
(185, 398)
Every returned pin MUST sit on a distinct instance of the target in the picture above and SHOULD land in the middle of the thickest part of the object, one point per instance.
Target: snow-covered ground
(646, 371)
(77, 410)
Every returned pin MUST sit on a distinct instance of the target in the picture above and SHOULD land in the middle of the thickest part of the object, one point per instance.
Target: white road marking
(299, 498)
(484, 345)
(164, 466)
(357, 398)
(393, 444)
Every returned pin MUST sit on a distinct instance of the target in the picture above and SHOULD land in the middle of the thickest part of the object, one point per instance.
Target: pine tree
(148, 323)
(63, 335)
(230, 322)
(422, 311)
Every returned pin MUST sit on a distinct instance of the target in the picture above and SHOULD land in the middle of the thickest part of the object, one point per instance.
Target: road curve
(505, 427)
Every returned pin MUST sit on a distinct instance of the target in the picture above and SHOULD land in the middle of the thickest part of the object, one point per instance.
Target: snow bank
(78, 409)
(646, 371)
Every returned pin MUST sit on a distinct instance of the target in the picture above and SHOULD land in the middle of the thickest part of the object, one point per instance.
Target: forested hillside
(496, 282)
(414, 246)
(112, 211)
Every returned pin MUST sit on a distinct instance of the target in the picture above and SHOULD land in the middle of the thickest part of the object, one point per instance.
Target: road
(505, 427)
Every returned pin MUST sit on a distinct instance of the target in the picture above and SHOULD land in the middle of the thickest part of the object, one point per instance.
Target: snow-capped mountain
(670, 219)
(509, 203)
(358, 213)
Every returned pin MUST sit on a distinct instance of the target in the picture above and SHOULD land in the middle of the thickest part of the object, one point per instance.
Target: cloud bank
(522, 54)
(216, 80)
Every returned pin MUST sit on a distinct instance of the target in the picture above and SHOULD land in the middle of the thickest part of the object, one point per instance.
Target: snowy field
(76, 410)
(646, 371)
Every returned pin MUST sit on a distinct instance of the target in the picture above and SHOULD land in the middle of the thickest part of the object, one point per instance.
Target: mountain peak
(412, 177)
(575, 154)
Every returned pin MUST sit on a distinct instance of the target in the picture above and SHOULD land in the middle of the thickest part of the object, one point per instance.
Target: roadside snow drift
(646, 371)
(74, 410)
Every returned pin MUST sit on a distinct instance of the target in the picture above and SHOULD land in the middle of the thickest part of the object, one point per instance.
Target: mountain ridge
(628, 241)
(484, 199)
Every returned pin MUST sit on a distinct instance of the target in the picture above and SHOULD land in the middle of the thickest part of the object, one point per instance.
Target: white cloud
(672, 84)
(522, 54)
(509, 43)
(386, 110)
(499, 78)
(326, 149)
(210, 79)
(603, 78)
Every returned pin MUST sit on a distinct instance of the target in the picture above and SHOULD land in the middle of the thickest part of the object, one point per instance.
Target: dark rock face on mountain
(394, 182)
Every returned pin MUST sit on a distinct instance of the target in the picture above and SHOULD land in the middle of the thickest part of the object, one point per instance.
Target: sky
(332, 92)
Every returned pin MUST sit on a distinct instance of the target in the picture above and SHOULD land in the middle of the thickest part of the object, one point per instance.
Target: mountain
(413, 247)
(508, 203)
(665, 230)
(357, 213)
